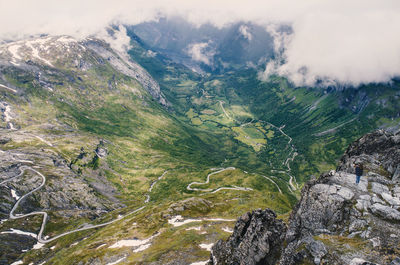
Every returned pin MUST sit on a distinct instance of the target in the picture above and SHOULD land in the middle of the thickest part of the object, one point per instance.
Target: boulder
(385, 212)
(378, 188)
(357, 225)
(318, 250)
(393, 201)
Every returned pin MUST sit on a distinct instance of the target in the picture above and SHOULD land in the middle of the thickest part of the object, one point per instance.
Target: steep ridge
(62, 51)
(336, 221)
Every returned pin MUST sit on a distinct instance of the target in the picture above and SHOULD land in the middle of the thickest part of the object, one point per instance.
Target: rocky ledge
(336, 221)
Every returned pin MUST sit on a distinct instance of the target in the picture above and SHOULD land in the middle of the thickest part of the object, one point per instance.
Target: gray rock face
(333, 217)
(257, 239)
(325, 207)
(385, 212)
(379, 188)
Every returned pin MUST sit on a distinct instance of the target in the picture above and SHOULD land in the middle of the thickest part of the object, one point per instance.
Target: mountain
(206, 48)
(94, 156)
(321, 121)
(335, 221)
(114, 157)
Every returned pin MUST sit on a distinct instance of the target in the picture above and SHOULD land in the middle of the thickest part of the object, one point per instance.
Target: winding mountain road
(45, 215)
(279, 189)
(189, 187)
(331, 130)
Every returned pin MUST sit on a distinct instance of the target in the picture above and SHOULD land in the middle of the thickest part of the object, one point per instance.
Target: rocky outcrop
(194, 204)
(257, 239)
(336, 221)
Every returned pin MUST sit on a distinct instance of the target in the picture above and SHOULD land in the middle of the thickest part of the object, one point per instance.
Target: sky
(345, 41)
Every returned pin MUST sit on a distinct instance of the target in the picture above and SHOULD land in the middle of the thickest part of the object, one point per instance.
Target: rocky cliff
(336, 221)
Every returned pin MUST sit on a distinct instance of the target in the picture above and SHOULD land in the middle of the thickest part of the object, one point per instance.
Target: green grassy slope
(143, 140)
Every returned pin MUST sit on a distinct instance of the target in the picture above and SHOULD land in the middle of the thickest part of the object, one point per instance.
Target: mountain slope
(92, 156)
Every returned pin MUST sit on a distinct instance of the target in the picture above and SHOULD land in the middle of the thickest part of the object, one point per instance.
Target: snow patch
(14, 194)
(142, 247)
(35, 53)
(38, 245)
(66, 40)
(13, 49)
(197, 228)
(41, 41)
(227, 229)
(19, 232)
(219, 220)
(206, 246)
(129, 243)
(17, 262)
(179, 221)
(141, 244)
(199, 263)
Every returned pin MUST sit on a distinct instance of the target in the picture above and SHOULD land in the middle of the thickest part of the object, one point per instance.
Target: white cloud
(349, 41)
(199, 52)
(118, 38)
(245, 31)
